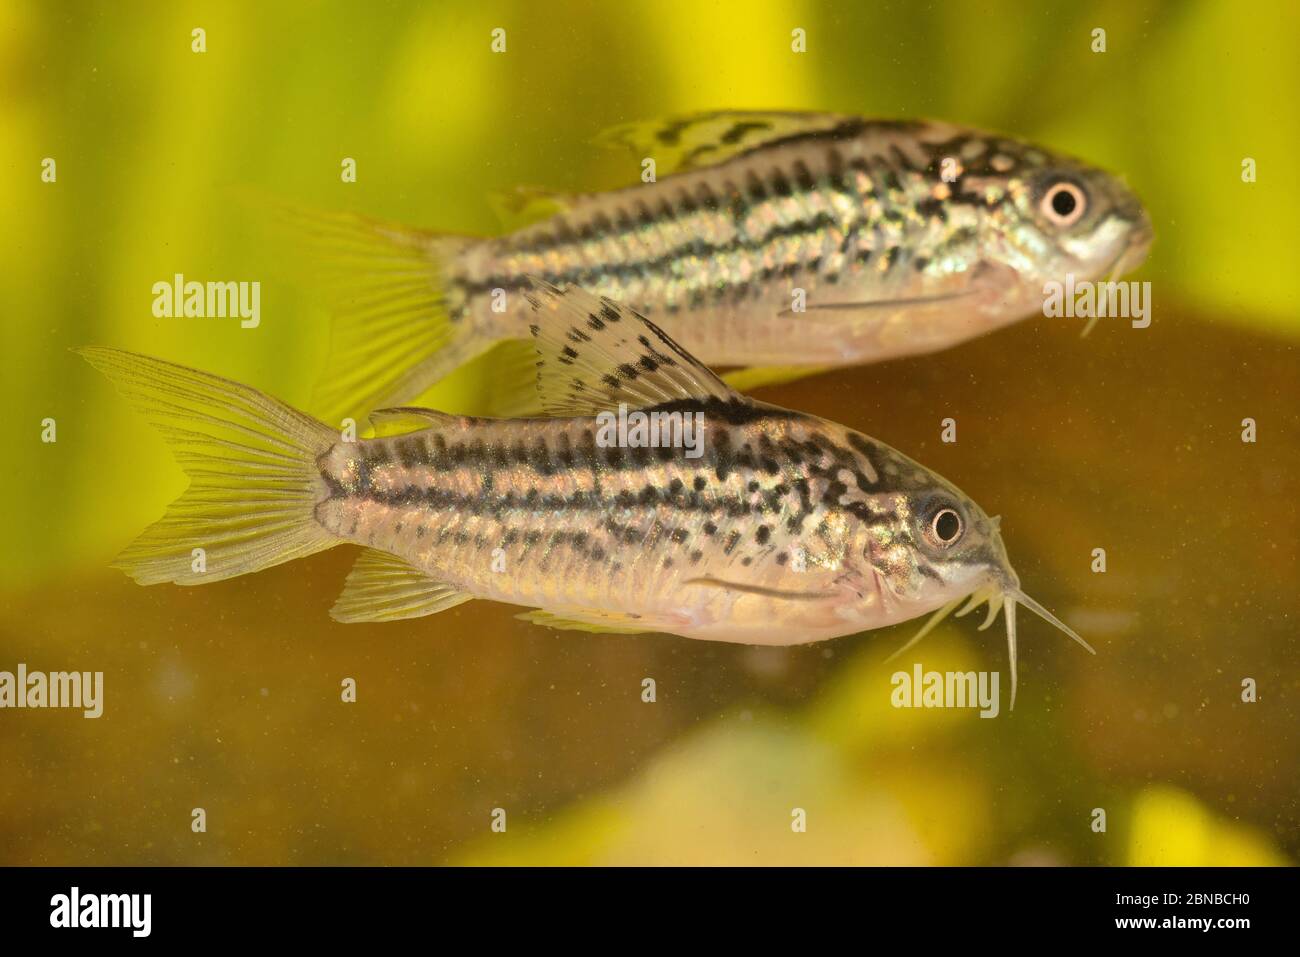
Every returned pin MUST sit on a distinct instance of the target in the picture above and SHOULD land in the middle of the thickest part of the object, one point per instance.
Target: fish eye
(945, 527)
(1063, 203)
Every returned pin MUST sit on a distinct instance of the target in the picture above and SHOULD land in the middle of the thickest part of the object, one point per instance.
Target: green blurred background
(227, 697)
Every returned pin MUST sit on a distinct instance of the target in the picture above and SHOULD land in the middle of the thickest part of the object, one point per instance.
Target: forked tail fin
(393, 333)
(251, 462)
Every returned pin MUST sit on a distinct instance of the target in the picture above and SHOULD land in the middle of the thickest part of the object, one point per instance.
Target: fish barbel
(701, 513)
(781, 242)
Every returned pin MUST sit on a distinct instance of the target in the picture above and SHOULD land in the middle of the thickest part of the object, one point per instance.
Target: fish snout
(1139, 242)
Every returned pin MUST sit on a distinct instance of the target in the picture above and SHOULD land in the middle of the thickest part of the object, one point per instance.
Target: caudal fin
(251, 463)
(392, 332)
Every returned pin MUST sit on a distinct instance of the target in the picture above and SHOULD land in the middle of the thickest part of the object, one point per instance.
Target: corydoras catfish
(650, 498)
(777, 243)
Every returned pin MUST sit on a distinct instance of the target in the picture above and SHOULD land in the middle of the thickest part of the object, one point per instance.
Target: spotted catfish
(783, 242)
(651, 498)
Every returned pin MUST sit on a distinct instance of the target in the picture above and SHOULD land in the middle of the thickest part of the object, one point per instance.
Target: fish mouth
(1001, 591)
(1135, 250)
(1131, 255)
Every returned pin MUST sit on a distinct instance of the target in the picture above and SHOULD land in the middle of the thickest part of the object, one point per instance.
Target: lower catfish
(730, 520)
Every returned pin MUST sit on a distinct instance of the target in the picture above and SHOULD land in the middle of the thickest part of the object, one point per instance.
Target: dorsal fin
(403, 419)
(697, 140)
(381, 587)
(593, 354)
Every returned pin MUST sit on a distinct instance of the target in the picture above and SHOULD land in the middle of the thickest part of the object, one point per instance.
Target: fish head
(933, 548)
(1054, 216)
(927, 542)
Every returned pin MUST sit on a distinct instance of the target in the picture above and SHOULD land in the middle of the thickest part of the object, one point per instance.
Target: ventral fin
(598, 622)
(593, 354)
(404, 419)
(524, 205)
(381, 587)
(697, 140)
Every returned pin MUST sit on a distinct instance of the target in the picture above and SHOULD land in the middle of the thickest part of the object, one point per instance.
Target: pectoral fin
(868, 305)
(711, 582)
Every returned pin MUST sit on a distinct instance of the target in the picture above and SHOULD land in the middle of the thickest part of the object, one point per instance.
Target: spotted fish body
(774, 527)
(780, 240)
(856, 213)
(782, 502)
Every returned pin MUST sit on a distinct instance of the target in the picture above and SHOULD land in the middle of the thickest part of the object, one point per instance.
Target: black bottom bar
(236, 905)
